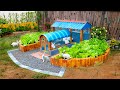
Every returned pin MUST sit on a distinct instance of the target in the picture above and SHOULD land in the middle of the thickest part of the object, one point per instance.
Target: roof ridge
(72, 21)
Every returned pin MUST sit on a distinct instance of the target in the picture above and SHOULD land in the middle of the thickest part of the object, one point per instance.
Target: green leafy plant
(30, 38)
(99, 32)
(5, 31)
(87, 48)
(47, 25)
(58, 57)
(113, 43)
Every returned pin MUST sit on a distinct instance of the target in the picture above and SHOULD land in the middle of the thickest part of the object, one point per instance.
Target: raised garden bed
(29, 47)
(30, 41)
(78, 62)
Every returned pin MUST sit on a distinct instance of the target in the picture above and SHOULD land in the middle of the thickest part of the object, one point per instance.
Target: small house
(76, 30)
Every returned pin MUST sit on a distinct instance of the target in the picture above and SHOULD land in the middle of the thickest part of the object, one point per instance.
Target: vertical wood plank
(49, 46)
(81, 35)
(70, 35)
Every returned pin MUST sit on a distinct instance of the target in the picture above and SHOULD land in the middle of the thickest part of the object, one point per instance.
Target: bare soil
(12, 72)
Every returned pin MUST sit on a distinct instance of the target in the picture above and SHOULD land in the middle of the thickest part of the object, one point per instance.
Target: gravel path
(26, 59)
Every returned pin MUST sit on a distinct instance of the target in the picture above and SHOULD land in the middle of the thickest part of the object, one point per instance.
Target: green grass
(113, 52)
(5, 45)
(39, 76)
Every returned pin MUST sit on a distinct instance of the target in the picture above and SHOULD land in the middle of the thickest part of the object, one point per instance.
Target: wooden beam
(71, 21)
(81, 35)
(40, 41)
(70, 35)
(45, 47)
(49, 46)
(53, 28)
(90, 30)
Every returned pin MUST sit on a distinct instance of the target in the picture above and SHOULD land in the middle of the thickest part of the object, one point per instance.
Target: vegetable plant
(87, 48)
(30, 38)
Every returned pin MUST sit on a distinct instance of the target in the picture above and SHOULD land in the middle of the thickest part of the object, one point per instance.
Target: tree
(39, 20)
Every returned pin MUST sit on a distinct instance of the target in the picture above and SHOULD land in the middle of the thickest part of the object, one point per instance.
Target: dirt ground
(110, 69)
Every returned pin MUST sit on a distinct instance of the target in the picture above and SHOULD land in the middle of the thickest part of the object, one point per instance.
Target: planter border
(29, 47)
(78, 62)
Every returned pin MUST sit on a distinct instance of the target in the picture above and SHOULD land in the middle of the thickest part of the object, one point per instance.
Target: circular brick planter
(78, 62)
(29, 47)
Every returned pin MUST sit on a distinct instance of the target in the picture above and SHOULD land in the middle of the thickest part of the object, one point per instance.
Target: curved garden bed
(78, 62)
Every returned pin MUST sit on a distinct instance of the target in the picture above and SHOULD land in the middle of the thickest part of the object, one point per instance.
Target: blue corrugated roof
(57, 35)
(72, 25)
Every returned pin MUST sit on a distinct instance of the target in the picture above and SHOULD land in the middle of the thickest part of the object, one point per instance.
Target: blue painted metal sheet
(57, 35)
(86, 36)
(72, 25)
(87, 26)
(76, 37)
(56, 24)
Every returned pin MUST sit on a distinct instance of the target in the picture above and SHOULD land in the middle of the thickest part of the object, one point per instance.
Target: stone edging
(60, 74)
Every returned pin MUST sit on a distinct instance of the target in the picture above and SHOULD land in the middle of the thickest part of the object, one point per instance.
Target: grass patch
(98, 63)
(113, 52)
(5, 45)
(1, 72)
(40, 76)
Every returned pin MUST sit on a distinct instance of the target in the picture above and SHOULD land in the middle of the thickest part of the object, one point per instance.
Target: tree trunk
(39, 19)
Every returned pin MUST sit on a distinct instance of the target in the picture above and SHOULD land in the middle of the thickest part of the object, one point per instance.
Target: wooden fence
(108, 19)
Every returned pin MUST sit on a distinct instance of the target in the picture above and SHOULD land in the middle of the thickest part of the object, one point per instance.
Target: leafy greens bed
(30, 38)
(87, 48)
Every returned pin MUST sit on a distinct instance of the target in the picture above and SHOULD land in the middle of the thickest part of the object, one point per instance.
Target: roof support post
(90, 33)
(53, 28)
(45, 47)
(49, 46)
(40, 41)
(81, 35)
(70, 35)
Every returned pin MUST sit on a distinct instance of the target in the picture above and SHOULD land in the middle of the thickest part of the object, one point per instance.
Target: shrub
(5, 31)
(47, 24)
(11, 27)
(26, 26)
(113, 43)
(99, 32)
(20, 26)
(3, 21)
